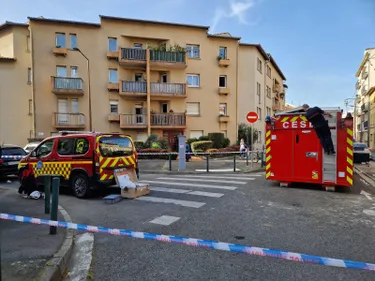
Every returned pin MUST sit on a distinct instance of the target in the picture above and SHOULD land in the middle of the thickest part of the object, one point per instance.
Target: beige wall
(6, 44)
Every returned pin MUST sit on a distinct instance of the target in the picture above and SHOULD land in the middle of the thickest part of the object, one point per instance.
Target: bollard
(47, 194)
(207, 163)
(234, 162)
(252, 160)
(247, 159)
(262, 160)
(170, 161)
(55, 203)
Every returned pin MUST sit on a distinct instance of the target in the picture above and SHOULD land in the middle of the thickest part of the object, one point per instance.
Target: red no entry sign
(252, 117)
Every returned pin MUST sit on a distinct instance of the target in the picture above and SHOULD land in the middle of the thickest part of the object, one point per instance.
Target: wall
(6, 44)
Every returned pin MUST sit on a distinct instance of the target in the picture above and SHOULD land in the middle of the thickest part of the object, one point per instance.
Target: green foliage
(189, 141)
(203, 138)
(155, 142)
(226, 142)
(139, 144)
(217, 139)
(244, 132)
(201, 145)
(164, 48)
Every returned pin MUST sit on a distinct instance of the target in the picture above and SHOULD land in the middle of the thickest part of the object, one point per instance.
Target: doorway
(139, 117)
(172, 137)
(163, 78)
(62, 109)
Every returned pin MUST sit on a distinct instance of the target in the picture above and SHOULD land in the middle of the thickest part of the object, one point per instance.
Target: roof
(9, 24)
(266, 56)
(224, 35)
(7, 59)
(299, 110)
(364, 60)
(68, 22)
(153, 22)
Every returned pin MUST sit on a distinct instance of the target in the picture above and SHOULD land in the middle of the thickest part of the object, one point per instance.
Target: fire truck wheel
(80, 185)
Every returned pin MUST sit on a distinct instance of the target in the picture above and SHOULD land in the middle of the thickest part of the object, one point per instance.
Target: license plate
(13, 163)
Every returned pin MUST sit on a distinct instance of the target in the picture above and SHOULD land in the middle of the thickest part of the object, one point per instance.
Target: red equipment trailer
(294, 153)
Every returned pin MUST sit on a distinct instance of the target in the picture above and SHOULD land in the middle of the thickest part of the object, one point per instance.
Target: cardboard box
(140, 190)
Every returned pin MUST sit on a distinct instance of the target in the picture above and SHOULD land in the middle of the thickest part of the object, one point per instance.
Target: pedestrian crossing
(191, 191)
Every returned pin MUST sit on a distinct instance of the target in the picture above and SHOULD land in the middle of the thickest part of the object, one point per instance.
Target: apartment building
(364, 109)
(132, 76)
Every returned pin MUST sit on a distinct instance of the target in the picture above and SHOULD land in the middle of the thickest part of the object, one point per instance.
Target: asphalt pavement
(233, 208)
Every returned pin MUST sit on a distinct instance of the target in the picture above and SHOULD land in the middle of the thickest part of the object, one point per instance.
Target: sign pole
(251, 146)
(252, 117)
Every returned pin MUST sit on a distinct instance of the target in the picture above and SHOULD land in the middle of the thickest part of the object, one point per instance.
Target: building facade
(364, 108)
(131, 76)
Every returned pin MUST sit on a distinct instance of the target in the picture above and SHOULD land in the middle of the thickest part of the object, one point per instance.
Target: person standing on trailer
(315, 116)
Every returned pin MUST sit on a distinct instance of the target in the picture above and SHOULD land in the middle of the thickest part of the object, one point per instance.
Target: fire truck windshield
(115, 146)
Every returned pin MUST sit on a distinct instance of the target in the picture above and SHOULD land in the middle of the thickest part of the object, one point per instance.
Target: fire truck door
(307, 156)
(281, 154)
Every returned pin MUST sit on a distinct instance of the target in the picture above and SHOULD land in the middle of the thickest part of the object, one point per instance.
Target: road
(242, 209)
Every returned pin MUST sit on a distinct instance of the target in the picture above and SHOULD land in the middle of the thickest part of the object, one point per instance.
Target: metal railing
(364, 74)
(167, 56)
(364, 90)
(134, 87)
(133, 120)
(69, 119)
(133, 54)
(168, 88)
(168, 119)
(67, 83)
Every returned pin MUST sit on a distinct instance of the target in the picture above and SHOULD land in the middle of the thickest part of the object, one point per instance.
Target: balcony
(365, 125)
(113, 87)
(67, 86)
(113, 55)
(68, 120)
(133, 121)
(276, 107)
(168, 90)
(133, 89)
(364, 90)
(224, 91)
(223, 118)
(161, 60)
(58, 51)
(364, 107)
(364, 74)
(358, 85)
(223, 62)
(276, 87)
(133, 58)
(168, 120)
(114, 117)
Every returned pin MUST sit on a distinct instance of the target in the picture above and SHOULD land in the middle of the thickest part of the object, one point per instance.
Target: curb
(194, 172)
(56, 267)
(365, 177)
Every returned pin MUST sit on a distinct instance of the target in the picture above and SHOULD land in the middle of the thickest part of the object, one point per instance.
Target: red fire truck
(294, 153)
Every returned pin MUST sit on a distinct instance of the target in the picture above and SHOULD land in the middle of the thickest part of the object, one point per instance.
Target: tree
(244, 132)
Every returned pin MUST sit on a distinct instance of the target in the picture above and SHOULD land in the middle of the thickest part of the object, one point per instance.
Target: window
(223, 52)
(268, 111)
(29, 75)
(258, 93)
(196, 134)
(60, 40)
(164, 107)
(112, 76)
(82, 146)
(115, 146)
(142, 136)
(138, 77)
(224, 132)
(223, 109)
(192, 108)
(192, 80)
(259, 111)
(112, 44)
(73, 41)
(268, 71)
(222, 81)
(268, 92)
(193, 51)
(45, 148)
(137, 46)
(74, 106)
(74, 71)
(65, 146)
(259, 65)
(61, 71)
(113, 106)
(259, 136)
(28, 44)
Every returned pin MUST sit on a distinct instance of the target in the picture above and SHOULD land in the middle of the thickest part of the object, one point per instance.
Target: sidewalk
(215, 165)
(368, 170)
(25, 248)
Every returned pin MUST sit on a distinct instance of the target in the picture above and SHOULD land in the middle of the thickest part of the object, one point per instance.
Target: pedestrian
(242, 147)
(315, 116)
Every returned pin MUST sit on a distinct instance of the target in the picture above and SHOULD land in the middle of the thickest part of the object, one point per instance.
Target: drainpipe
(237, 66)
(33, 127)
(148, 85)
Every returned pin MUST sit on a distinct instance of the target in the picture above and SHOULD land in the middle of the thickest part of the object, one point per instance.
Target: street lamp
(88, 72)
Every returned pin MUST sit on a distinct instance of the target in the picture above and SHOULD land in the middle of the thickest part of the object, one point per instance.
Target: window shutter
(192, 108)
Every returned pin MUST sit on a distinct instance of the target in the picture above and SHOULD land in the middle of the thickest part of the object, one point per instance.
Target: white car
(30, 146)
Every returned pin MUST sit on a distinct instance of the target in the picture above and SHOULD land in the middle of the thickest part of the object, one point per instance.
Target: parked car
(361, 153)
(30, 146)
(10, 156)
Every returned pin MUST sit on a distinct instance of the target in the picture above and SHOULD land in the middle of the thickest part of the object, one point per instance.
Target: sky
(318, 44)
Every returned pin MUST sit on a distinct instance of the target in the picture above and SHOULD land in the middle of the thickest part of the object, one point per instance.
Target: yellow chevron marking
(268, 158)
(350, 132)
(303, 118)
(349, 151)
(268, 175)
(284, 119)
(268, 134)
(268, 166)
(349, 180)
(349, 161)
(350, 171)
(268, 142)
(349, 141)
(294, 118)
(268, 150)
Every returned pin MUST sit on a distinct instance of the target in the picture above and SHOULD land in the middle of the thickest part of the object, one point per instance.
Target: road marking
(366, 194)
(365, 182)
(187, 191)
(217, 170)
(184, 203)
(192, 184)
(369, 212)
(216, 177)
(187, 179)
(165, 220)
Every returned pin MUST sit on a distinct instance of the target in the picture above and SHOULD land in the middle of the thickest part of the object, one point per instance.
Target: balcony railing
(168, 89)
(167, 56)
(133, 87)
(67, 85)
(276, 88)
(358, 85)
(133, 54)
(364, 74)
(364, 107)
(168, 120)
(364, 90)
(69, 120)
(133, 120)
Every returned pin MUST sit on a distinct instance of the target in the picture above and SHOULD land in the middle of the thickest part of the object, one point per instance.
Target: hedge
(139, 144)
(201, 145)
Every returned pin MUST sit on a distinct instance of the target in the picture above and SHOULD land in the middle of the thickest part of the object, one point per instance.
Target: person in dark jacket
(315, 116)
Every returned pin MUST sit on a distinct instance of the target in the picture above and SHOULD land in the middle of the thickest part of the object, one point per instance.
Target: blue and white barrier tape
(198, 153)
(15, 157)
(256, 251)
